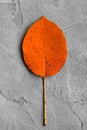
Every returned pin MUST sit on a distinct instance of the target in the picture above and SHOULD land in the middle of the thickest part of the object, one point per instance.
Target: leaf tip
(43, 17)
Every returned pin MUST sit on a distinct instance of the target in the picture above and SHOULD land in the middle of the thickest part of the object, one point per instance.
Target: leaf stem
(44, 101)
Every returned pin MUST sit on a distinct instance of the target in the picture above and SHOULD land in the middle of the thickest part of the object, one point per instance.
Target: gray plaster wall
(21, 92)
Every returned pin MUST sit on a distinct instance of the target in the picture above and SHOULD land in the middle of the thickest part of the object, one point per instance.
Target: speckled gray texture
(21, 92)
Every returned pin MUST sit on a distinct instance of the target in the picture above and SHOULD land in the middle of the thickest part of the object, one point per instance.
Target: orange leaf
(44, 48)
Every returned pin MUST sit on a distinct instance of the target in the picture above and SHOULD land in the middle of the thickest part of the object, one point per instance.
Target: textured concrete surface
(21, 93)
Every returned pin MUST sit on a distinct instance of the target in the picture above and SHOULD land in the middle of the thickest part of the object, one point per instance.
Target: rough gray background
(21, 93)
